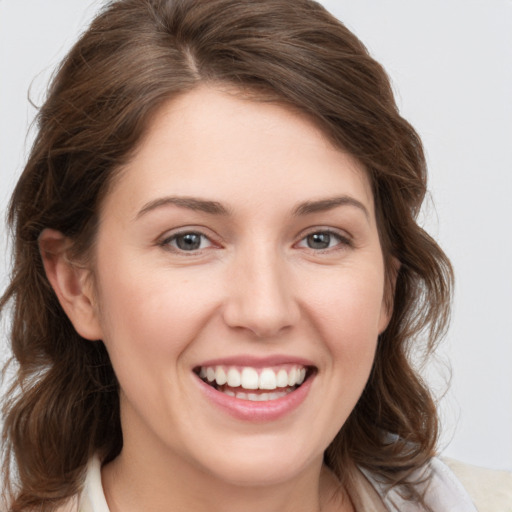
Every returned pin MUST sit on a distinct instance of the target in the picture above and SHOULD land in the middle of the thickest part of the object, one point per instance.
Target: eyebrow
(323, 205)
(191, 203)
(216, 208)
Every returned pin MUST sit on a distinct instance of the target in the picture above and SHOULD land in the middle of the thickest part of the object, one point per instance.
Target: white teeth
(220, 376)
(292, 377)
(259, 397)
(249, 378)
(234, 379)
(268, 379)
(282, 379)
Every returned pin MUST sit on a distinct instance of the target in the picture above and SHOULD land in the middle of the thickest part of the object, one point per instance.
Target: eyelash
(172, 242)
(342, 241)
(168, 242)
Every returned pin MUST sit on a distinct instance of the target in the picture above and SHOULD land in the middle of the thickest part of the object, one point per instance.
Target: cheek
(345, 310)
(347, 313)
(149, 328)
(149, 315)
(348, 307)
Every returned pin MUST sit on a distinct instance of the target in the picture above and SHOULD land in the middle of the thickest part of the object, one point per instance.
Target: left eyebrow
(322, 205)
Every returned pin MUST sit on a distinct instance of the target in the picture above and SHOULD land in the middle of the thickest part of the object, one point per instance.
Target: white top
(445, 492)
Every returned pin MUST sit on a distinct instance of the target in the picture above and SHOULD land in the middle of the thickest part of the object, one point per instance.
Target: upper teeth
(252, 378)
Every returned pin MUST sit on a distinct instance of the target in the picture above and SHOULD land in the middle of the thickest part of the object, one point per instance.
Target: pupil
(319, 240)
(189, 242)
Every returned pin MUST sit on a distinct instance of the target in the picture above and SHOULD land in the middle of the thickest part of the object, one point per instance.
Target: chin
(257, 465)
(258, 474)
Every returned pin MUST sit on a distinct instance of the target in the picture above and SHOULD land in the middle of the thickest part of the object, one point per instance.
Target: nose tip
(261, 322)
(261, 303)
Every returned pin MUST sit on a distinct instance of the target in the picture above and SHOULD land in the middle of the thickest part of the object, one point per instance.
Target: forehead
(213, 142)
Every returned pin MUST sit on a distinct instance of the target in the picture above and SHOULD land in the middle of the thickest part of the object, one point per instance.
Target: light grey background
(451, 65)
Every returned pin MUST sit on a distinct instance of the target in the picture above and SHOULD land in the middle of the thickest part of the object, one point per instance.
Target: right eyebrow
(191, 203)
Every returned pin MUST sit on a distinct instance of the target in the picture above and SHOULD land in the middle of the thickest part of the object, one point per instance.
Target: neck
(132, 485)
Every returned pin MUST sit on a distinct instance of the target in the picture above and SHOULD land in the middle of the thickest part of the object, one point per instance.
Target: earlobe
(71, 283)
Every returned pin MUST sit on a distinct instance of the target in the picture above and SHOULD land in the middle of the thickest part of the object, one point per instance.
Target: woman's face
(238, 245)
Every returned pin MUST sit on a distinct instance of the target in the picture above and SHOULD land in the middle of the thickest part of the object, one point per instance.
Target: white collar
(444, 493)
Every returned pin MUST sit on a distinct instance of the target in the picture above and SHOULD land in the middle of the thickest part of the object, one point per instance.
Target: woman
(218, 217)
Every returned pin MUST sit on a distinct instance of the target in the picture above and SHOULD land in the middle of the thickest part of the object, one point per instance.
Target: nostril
(261, 300)
(261, 323)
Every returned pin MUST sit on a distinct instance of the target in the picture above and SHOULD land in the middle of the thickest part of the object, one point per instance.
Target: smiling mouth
(255, 384)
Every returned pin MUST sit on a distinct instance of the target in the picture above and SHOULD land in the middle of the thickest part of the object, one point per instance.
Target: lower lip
(248, 410)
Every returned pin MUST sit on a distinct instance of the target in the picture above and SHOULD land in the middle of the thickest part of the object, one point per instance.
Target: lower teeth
(258, 397)
(252, 397)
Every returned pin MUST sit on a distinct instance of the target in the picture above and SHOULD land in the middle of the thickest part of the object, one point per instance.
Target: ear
(71, 283)
(392, 270)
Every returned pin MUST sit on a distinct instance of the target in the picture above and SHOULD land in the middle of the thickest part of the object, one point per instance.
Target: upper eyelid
(345, 241)
(183, 230)
(166, 239)
(214, 238)
(342, 233)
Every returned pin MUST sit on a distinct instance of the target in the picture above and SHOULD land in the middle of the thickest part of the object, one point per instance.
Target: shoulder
(70, 506)
(490, 490)
(452, 487)
(91, 498)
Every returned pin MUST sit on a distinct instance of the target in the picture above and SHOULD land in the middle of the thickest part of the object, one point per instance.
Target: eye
(322, 240)
(188, 242)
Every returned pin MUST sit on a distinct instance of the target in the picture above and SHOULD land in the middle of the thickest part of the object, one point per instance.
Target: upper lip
(256, 362)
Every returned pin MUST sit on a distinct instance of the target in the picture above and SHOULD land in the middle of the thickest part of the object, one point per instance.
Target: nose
(261, 297)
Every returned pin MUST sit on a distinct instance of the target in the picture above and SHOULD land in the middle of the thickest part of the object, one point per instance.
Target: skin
(254, 288)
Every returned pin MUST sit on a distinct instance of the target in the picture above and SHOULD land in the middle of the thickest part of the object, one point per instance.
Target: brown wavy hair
(63, 404)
